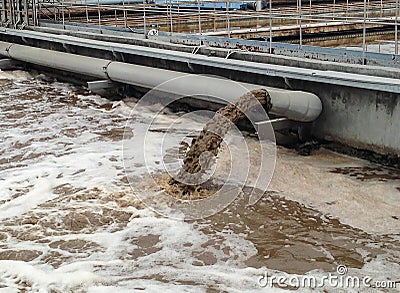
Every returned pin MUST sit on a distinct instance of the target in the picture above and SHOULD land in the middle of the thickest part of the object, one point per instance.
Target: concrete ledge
(359, 110)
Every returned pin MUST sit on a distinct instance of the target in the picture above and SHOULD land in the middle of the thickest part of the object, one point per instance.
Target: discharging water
(204, 148)
(70, 222)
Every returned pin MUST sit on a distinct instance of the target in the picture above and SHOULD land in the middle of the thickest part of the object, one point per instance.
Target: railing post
(38, 8)
(396, 41)
(12, 13)
(4, 14)
(178, 18)
(364, 32)
(123, 7)
(334, 9)
(26, 12)
(170, 16)
(270, 26)
(87, 13)
(34, 13)
(99, 14)
(63, 13)
(228, 20)
(70, 8)
(300, 26)
(144, 19)
(19, 13)
(199, 11)
(214, 18)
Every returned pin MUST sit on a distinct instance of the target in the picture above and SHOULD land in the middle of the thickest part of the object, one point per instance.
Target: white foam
(15, 75)
(41, 192)
(41, 280)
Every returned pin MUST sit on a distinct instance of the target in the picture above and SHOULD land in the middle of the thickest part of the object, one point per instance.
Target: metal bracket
(66, 47)
(277, 124)
(196, 49)
(230, 52)
(102, 87)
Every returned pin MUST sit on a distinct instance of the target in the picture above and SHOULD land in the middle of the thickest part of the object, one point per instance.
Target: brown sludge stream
(204, 148)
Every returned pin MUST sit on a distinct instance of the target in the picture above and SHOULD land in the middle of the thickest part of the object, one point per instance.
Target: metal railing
(214, 17)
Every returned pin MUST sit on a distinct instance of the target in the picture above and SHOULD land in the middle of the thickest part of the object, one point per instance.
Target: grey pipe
(295, 105)
(62, 61)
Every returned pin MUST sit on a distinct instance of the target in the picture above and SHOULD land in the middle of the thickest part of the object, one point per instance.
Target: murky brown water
(71, 222)
(293, 238)
(366, 173)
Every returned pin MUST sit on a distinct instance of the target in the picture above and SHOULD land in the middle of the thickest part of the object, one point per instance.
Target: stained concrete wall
(359, 118)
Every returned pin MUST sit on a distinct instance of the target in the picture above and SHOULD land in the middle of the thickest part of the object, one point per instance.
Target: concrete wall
(363, 119)
(359, 118)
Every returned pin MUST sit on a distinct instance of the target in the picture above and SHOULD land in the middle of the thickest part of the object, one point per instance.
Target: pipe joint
(105, 69)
